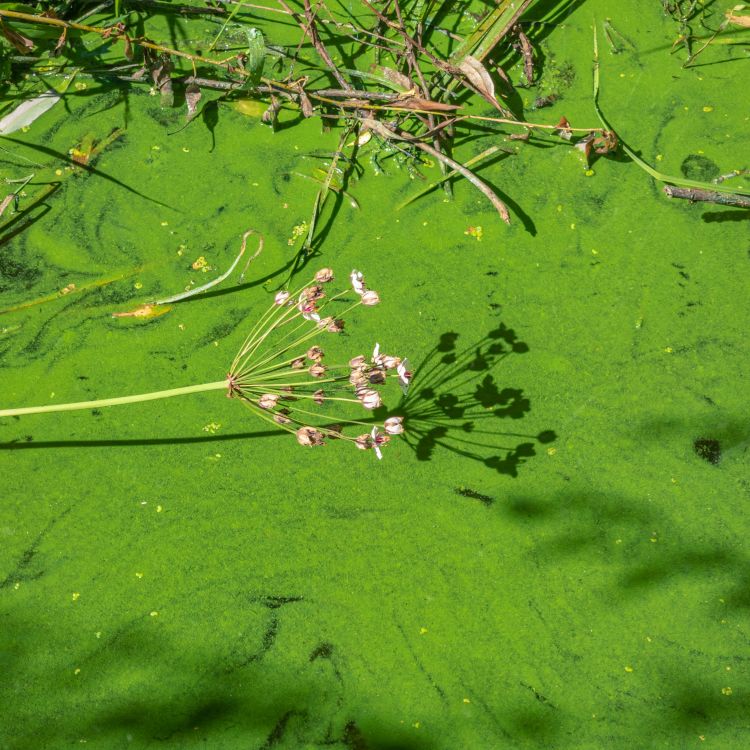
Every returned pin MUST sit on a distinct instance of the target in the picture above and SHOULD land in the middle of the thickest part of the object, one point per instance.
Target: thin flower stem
(115, 401)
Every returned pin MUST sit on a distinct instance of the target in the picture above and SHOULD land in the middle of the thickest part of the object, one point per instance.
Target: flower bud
(335, 326)
(281, 298)
(390, 363)
(376, 377)
(319, 397)
(394, 425)
(268, 400)
(370, 298)
(368, 398)
(298, 363)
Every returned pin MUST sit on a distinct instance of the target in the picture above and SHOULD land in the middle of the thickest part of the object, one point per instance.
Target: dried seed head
(390, 363)
(312, 293)
(335, 326)
(356, 362)
(363, 442)
(268, 400)
(394, 425)
(309, 436)
(370, 298)
(324, 275)
(281, 418)
(376, 377)
(298, 363)
(358, 378)
(317, 370)
(315, 353)
(319, 396)
(281, 298)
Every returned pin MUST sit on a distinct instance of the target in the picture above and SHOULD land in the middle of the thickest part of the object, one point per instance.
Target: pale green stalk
(99, 403)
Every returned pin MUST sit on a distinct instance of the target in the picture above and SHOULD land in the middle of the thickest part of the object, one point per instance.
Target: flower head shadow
(455, 403)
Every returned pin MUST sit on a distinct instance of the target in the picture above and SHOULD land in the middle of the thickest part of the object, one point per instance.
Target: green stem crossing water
(118, 401)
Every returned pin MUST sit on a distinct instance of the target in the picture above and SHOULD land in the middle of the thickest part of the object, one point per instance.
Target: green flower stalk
(280, 374)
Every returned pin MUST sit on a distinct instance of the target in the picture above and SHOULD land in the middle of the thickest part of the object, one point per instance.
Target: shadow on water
(454, 402)
(234, 696)
(644, 551)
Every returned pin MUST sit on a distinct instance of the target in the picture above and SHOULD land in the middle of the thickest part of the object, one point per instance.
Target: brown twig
(707, 196)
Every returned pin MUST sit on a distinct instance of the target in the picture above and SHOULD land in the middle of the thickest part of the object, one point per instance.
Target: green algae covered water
(554, 554)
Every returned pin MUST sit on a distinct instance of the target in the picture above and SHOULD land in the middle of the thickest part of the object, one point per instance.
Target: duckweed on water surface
(551, 555)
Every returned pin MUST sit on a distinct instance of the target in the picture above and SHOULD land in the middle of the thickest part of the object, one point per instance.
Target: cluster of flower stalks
(281, 373)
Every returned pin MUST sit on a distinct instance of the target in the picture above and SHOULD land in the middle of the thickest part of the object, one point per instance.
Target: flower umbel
(279, 372)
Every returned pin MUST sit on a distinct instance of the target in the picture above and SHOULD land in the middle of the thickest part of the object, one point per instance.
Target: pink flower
(404, 375)
(308, 310)
(358, 282)
(377, 441)
(281, 298)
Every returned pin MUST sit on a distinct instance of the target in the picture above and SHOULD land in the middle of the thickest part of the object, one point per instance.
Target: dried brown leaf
(22, 43)
(416, 102)
(192, 97)
(6, 202)
(563, 129)
(144, 311)
(397, 78)
(305, 104)
(736, 19)
(60, 43)
(478, 76)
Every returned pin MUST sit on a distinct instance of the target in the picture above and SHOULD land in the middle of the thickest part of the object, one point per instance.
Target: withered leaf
(394, 76)
(144, 311)
(527, 52)
(563, 129)
(60, 43)
(6, 202)
(192, 97)
(305, 104)
(478, 76)
(19, 41)
(270, 115)
(737, 19)
(416, 102)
